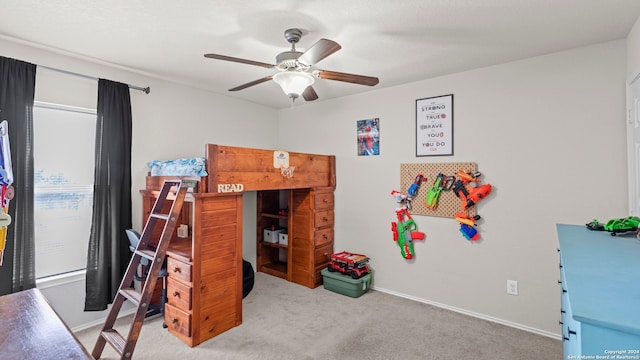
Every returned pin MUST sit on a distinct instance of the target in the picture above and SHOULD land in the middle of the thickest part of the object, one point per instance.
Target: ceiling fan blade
(318, 51)
(351, 78)
(309, 94)
(255, 82)
(238, 60)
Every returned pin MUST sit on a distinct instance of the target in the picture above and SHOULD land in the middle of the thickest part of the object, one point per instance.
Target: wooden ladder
(125, 346)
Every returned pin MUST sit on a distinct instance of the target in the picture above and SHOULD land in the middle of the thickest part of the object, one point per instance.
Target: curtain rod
(146, 90)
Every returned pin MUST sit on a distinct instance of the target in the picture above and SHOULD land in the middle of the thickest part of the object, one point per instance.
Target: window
(64, 146)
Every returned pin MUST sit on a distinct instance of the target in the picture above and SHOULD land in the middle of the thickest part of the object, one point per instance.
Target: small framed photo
(368, 137)
(434, 126)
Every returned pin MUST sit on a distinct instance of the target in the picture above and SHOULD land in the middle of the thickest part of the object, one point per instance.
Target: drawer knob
(325, 236)
(571, 332)
(174, 321)
(559, 282)
(560, 322)
(176, 269)
(176, 294)
(325, 219)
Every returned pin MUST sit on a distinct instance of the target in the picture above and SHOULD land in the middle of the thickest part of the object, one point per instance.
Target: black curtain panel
(108, 254)
(17, 89)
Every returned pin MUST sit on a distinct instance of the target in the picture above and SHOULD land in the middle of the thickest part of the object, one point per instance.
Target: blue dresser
(600, 294)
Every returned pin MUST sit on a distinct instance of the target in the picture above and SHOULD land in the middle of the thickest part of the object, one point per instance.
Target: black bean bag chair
(247, 278)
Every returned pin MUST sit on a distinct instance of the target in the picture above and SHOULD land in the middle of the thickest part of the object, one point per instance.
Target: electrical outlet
(512, 287)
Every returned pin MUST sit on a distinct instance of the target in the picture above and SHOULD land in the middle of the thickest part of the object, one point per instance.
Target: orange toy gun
(467, 177)
(463, 218)
(470, 195)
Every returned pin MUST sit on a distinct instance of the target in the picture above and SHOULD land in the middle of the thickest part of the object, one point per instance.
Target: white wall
(172, 121)
(547, 132)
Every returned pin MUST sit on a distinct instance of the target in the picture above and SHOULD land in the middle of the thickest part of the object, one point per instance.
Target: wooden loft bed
(205, 264)
(254, 170)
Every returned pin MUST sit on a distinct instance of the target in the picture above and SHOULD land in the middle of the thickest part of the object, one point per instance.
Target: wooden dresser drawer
(178, 294)
(177, 320)
(323, 236)
(178, 269)
(323, 200)
(323, 254)
(323, 218)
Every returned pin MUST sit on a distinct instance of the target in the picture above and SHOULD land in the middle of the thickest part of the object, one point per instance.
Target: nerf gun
(405, 200)
(467, 177)
(413, 189)
(401, 198)
(467, 226)
(404, 233)
(470, 195)
(433, 195)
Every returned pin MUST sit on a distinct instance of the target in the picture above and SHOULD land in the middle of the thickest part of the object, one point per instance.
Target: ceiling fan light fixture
(293, 83)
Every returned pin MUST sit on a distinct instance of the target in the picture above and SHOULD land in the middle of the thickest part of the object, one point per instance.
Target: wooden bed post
(211, 153)
(332, 171)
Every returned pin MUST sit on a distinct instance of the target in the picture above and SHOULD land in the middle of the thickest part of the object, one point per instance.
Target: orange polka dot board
(448, 204)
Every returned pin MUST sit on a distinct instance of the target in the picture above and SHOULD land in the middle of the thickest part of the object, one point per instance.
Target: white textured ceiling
(397, 41)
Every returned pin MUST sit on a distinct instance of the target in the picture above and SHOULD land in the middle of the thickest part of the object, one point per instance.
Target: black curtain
(17, 89)
(108, 255)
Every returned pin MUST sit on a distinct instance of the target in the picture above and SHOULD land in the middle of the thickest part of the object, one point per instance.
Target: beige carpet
(282, 320)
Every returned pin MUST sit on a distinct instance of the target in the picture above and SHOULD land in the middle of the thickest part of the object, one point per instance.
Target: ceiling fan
(295, 75)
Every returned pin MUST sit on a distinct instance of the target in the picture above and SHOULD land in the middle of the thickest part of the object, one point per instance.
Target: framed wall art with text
(434, 126)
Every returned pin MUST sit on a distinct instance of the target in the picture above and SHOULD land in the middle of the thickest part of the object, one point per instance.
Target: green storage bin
(345, 284)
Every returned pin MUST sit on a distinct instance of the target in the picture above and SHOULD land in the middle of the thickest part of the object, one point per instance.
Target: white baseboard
(471, 313)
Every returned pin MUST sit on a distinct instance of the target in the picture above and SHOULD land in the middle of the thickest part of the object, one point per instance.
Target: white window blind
(64, 142)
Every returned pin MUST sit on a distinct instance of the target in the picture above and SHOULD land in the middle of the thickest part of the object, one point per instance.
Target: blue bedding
(178, 167)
